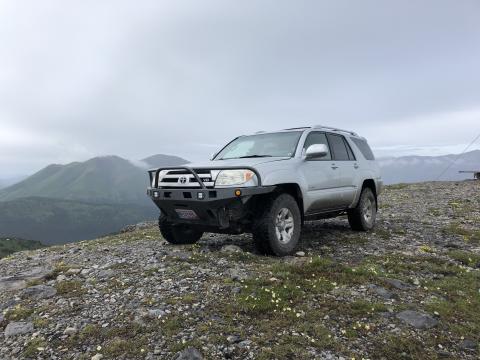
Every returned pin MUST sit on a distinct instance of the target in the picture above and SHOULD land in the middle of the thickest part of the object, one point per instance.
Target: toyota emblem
(182, 179)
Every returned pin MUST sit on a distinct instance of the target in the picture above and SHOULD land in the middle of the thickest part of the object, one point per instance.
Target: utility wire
(457, 157)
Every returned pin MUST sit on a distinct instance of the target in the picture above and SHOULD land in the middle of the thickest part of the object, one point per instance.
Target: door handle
(334, 167)
(356, 166)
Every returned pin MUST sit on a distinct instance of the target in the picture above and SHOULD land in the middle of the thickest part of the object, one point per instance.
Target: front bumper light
(236, 178)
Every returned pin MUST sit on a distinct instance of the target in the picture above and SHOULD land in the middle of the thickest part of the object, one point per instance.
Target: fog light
(200, 195)
(156, 194)
(238, 192)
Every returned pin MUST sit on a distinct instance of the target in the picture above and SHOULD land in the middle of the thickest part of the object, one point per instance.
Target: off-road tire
(362, 217)
(179, 234)
(265, 233)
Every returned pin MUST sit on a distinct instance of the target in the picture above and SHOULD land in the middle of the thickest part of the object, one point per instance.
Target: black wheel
(362, 217)
(179, 233)
(278, 228)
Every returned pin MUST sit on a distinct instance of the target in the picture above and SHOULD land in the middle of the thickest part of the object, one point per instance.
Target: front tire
(278, 229)
(179, 234)
(363, 216)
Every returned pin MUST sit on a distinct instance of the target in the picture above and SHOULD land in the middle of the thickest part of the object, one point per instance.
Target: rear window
(364, 148)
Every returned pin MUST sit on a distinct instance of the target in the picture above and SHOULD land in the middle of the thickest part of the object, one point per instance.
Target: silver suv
(268, 184)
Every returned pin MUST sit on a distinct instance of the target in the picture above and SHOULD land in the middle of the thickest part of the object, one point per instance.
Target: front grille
(184, 179)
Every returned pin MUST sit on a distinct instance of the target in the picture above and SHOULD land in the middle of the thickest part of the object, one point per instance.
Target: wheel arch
(370, 183)
(294, 190)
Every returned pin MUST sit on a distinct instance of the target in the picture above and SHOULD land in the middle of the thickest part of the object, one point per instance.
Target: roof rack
(298, 128)
(335, 129)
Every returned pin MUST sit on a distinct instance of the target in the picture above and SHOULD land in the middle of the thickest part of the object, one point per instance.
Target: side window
(351, 156)
(339, 149)
(317, 138)
(364, 148)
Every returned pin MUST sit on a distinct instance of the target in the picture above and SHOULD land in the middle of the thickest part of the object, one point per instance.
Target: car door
(346, 165)
(322, 178)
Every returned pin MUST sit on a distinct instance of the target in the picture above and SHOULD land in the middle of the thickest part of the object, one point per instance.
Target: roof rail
(335, 129)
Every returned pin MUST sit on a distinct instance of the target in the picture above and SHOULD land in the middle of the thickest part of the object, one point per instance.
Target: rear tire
(179, 234)
(362, 217)
(278, 229)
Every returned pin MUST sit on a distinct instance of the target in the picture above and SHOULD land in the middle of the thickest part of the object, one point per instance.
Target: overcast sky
(134, 78)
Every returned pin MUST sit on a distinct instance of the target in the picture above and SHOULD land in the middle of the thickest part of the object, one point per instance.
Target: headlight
(236, 177)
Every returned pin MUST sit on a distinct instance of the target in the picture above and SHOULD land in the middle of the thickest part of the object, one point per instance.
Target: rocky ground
(410, 289)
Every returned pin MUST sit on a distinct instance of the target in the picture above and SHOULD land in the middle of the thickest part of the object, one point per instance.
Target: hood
(237, 162)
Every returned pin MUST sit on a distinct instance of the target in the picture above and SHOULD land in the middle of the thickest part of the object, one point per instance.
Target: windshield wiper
(253, 156)
(245, 157)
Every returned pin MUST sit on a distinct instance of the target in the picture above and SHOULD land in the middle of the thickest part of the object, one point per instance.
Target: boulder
(398, 284)
(417, 319)
(38, 292)
(18, 328)
(189, 354)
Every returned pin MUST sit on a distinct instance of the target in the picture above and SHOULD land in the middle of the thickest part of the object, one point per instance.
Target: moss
(400, 347)
(171, 325)
(383, 233)
(33, 347)
(59, 268)
(469, 235)
(70, 288)
(131, 348)
(19, 312)
(40, 322)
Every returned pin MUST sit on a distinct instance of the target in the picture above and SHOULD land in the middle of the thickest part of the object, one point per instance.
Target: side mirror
(316, 151)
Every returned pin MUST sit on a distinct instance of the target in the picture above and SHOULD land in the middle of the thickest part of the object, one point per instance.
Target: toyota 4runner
(268, 184)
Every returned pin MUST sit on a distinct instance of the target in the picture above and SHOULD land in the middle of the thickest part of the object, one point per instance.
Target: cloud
(137, 78)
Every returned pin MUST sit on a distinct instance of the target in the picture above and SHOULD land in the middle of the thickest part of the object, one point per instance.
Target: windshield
(282, 144)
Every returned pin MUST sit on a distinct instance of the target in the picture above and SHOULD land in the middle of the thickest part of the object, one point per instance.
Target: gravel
(132, 295)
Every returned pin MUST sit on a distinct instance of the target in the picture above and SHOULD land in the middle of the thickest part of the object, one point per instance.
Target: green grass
(458, 303)
(465, 257)
(469, 235)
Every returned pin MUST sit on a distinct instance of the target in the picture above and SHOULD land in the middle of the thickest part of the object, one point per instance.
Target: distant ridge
(164, 160)
(410, 169)
(104, 180)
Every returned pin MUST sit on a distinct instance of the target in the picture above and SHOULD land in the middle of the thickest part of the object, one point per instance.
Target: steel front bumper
(211, 207)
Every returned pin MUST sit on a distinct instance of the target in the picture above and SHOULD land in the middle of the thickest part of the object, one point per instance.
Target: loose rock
(189, 354)
(231, 248)
(38, 292)
(18, 328)
(417, 319)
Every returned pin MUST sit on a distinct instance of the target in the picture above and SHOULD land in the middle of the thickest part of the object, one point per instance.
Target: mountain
(5, 182)
(10, 245)
(55, 221)
(103, 180)
(80, 200)
(409, 169)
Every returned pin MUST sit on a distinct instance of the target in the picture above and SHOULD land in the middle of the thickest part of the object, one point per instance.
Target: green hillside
(55, 221)
(10, 245)
(103, 180)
